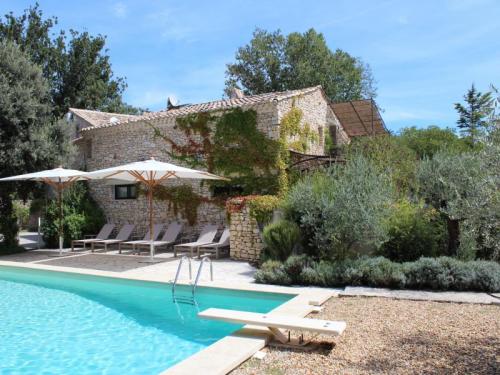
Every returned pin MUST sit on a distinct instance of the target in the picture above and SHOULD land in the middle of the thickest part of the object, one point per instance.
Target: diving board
(275, 322)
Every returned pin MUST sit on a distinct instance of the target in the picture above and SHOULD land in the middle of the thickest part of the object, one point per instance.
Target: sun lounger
(103, 234)
(169, 237)
(276, 322)
(157, 228)
(207, 236)
(122, 236)
(215, 247)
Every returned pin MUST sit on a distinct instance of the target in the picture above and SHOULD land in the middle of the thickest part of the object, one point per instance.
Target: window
(88, 149)
(125, 191)
(225, 191)
(321, 136)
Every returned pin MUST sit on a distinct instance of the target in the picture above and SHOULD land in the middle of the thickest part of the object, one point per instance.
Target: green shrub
(442, 273)
(414, 231)
(381, 272)
(262, 207)
(341, 211)
(485, 276)
(272, 272)
(427, 273)
(82, 216)
(22, 213)
(293, 267)
(281, 239)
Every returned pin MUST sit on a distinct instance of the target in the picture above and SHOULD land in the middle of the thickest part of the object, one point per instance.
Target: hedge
(443, 273)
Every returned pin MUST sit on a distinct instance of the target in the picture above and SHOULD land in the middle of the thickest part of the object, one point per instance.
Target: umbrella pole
(61, 216)
(151, 245)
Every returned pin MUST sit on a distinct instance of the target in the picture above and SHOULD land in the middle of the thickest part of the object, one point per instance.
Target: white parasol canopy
(150, 173)
(59, 178)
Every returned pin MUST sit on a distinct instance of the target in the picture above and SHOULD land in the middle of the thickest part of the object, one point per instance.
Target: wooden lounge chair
(276, 322)
(103, 234)
(169, 237)
(122, 236)
(215, 247)
(207, 236)
(157, 228)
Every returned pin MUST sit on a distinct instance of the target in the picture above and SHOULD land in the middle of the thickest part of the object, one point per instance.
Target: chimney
(236, 93)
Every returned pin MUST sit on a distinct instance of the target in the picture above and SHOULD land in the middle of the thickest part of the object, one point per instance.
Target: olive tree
(341, 211)
(465, 188)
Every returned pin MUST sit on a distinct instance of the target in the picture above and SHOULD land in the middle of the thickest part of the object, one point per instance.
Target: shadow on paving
(440, 355)
(115, 263)
(31, 256)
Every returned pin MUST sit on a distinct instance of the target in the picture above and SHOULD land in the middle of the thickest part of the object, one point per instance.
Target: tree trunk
(453, 236)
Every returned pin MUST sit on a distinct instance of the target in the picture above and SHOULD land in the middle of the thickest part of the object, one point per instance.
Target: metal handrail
(203, 260)
(179, 271)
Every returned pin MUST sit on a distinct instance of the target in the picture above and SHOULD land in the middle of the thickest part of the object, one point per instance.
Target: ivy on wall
(182, 200)
(230, 144)
(261, 207)
(294, 136)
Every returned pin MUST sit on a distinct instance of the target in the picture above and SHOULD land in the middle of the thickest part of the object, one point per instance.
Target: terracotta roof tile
(98, 118)
(202, 107)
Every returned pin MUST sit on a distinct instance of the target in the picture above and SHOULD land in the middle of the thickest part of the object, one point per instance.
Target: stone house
(108, 139)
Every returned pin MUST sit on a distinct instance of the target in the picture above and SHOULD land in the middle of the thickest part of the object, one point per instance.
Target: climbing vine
(230, 144)
(294, 136)
(182, 199)
(261, 206)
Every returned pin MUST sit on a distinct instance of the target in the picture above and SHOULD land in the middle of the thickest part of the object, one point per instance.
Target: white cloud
(119, 10)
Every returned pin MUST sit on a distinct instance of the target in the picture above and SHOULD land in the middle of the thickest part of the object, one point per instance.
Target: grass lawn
(386, 336)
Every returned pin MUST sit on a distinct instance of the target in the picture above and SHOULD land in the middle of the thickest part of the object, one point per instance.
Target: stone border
(422, 295)
(229, 352)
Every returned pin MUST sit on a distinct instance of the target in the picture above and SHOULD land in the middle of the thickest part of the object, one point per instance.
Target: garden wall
(246, 241)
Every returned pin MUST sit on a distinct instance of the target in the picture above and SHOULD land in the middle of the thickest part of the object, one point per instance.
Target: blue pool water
(62, 323)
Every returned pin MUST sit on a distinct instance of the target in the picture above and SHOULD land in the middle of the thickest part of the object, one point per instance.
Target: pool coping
(229, 352)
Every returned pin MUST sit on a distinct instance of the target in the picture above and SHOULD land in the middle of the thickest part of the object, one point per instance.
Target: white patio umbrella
(150, 173)
(59, 179)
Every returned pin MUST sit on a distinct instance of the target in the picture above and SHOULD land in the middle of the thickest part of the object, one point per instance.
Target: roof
(359, 117)
(197, 108)
(98, 119)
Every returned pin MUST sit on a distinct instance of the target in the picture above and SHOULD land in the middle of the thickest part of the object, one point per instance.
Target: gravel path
(386, 336)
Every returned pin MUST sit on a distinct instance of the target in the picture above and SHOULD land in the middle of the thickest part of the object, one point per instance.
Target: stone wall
(318, 114)
(129, 142)
(125, 143)
(246, 241)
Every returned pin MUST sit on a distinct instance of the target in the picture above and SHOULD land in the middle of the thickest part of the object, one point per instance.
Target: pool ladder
(194, 284)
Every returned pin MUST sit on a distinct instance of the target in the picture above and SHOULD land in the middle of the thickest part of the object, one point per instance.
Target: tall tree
(474, 114)
(428, 141)
(274, 62)
(29, 138)
(77, 67)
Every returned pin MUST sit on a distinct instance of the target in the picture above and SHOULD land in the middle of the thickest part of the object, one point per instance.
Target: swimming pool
(61, 323)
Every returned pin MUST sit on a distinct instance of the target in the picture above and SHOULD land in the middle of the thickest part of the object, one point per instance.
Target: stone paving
(422, 295)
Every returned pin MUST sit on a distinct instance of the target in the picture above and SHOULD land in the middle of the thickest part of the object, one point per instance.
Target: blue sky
(423, 54)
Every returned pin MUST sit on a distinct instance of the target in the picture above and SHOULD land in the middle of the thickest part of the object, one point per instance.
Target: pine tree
(473, 115)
